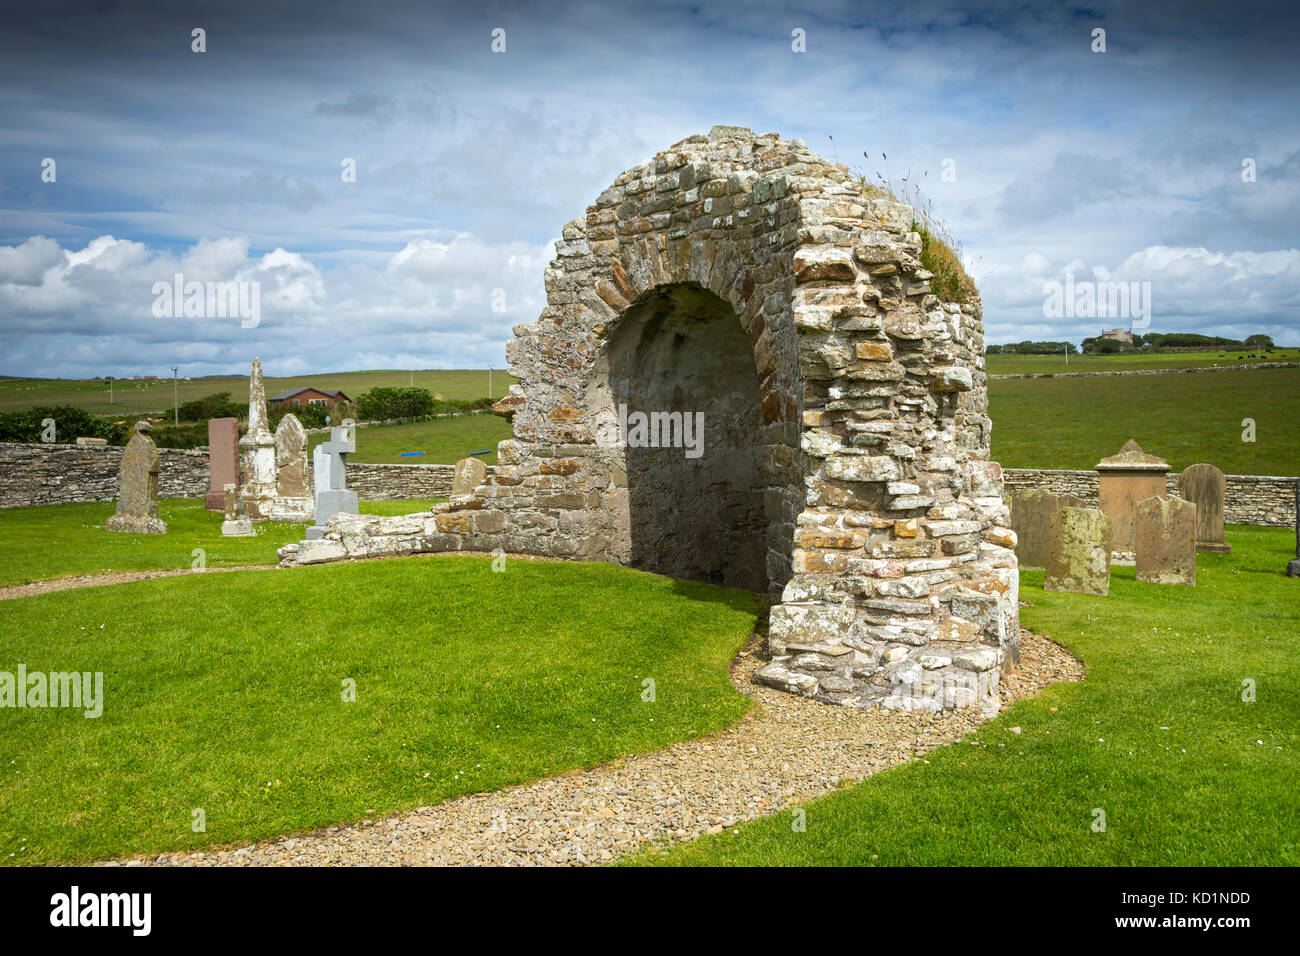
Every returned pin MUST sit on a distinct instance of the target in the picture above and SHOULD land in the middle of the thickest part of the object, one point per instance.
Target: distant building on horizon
(1119, 335)
(311, 396)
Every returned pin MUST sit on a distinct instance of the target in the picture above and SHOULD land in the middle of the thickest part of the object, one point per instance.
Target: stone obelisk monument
(257, 471)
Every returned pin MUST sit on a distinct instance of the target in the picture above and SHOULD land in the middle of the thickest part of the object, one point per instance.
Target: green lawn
(132, 398)
(1157, 736)
(1040, 364)
(56, 541)
(1186, 418)
(224, 693)
(444, 441)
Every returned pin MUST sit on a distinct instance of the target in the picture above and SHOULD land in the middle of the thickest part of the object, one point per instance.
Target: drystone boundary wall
(1145, 371)
(48, 474)
(1248, 499)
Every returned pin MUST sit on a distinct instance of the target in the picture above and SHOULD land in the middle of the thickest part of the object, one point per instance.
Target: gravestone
(291, 458)
(223, 460)
(1166, 541)
(1032, 512)
(329, 463)
(237, 523)
(469, 474)
(1124, 479)
(1293, 568)
(257, 484)
(137, 486)
(1204, 486)
(1079, 560)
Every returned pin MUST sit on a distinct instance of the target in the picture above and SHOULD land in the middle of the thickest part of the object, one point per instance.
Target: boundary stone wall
(32, 473)
(1249, 499)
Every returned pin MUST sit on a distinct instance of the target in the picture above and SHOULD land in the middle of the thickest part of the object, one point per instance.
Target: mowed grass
(1157, 736)
(225, 693)
(444, 441)
(56, 541)
(132, 397)
(1184, 418)
(1043, 364)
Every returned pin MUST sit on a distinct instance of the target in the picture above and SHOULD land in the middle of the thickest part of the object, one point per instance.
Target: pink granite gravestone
(223, 461)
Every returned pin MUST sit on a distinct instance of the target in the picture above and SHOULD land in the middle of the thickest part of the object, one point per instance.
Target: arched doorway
(679, 398)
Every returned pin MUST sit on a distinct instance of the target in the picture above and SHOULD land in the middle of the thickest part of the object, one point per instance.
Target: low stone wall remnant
(1249, 499)
(32, 473)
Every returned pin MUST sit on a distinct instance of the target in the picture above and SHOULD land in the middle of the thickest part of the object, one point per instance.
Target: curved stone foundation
(815, 423)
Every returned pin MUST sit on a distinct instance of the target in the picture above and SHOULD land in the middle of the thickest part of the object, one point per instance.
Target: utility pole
(1067, 354)
(110, 390)
(412, 378)
(489, 381)
(176, 401)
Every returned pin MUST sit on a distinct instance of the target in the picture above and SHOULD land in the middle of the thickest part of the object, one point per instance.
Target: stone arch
(886, 531)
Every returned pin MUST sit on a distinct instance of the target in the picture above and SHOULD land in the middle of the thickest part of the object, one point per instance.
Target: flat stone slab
(1032, 513)
(1204, 486)
(1079, 561)
(1166, 541)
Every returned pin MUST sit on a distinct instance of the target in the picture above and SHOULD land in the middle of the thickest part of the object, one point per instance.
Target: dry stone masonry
(741, 376)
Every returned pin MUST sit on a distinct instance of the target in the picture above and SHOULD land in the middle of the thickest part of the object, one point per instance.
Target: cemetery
(827, 580)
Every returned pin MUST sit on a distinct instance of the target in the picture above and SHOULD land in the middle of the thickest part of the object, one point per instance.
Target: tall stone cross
(329, 463)
(329, 467)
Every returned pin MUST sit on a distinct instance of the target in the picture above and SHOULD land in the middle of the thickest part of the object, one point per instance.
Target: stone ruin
(742, 376)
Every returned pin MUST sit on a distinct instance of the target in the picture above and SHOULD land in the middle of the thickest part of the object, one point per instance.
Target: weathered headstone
(223, 460)
(329, 464)
(137, 484)
(291, 458)
(1204, 486)
(468, 475)
(1079, 560)
(1293, 567)
(1032, 511)
(237, 523)
(257, 461)
(1125, 479)
(1166, 541)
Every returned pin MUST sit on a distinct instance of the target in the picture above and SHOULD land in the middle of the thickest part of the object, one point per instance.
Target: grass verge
(59, 541)
(224, 693)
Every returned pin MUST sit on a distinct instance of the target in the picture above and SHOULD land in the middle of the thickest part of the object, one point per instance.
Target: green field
(132, 398)
(1185, 418)
(225, 693)
(1157, 736)
(58, 541)
(444, 441)
(1126, 362)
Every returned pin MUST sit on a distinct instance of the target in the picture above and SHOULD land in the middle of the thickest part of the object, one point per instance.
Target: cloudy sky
(1125, 165)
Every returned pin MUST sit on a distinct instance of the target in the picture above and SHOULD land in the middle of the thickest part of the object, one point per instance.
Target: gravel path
(116, 577)
(789, 750)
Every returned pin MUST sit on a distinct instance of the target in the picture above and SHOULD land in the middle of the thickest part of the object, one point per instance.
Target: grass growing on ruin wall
(940, 251)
